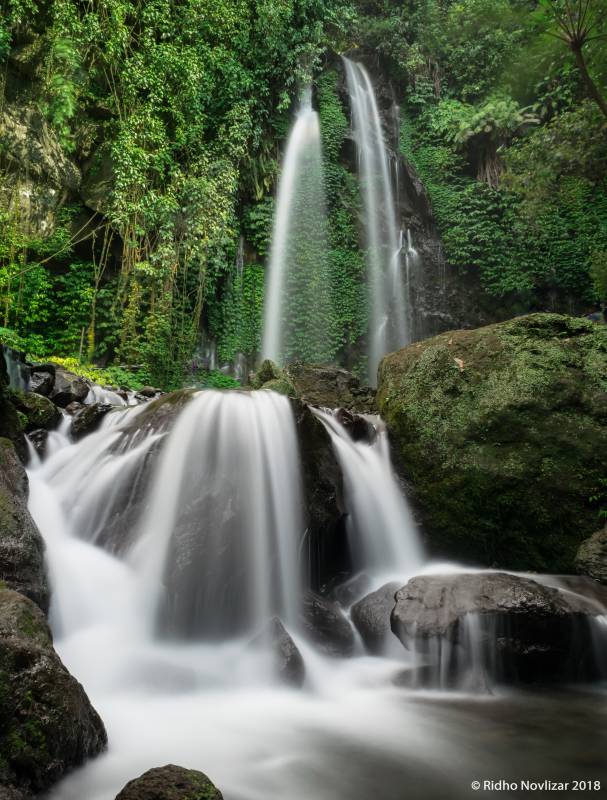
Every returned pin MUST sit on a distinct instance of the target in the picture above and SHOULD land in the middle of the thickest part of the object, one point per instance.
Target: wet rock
(39, 411)
(21, 545)
(68, 388)
(326, 625)
(371, 617)
(330, 387)
(501, 431)
(358, 428)
(48, 723)
(327, 542)
(170, 783)
(38, 438)
(516, 629)
(288, 661)
(88, 419)
(161, 413)
(591, 558)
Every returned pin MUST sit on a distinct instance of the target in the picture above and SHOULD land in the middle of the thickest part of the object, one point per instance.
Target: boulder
(501, 431)
(591, 557)
(512, 628)
(88, 419)
(39, 411)
(330, 387)
(346, 592)
(326, 625)
(41, 382)
(21, 545)
(149, 391)
(371, 617)
(288, 662)
(48, 723)
(68, 388)
(170, 783)
(73, 408)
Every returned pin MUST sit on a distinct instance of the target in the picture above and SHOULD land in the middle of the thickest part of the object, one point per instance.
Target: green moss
(281, 385)
(502, 430)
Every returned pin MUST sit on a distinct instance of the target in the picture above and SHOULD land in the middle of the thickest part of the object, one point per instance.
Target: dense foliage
(175, 116)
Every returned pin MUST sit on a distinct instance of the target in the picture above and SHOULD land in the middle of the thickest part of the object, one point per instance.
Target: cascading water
(297, 310)
(18, 372)
(223, 526)
(388, 317)
(383, 537)
(198, 529)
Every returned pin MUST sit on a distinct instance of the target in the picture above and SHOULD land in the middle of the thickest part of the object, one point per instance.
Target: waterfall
(297, 310)
(18, 372)
(218, 549)
(383, 537)
(388, 314)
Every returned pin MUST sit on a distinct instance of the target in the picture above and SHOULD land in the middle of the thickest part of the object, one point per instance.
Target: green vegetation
(150, 203)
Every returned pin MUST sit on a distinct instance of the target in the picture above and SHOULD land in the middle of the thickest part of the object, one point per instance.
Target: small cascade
(97, 394)
(18, 372)
(389, 314)
(384, 540)
(297, 309)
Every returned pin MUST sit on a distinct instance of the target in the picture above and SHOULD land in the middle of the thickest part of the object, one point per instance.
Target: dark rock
(591, 558)
(288, 661)
(38, 438)
(42, 382)
(39, 411)
(326, 625)
(327, 543)
(502, 432)
(159, 414)
(21, 545)
(170, 783)
(88, 419)
(359, 429)
(371, 617)
(68, 388)
(149, 391)
(330, 387)
(518, 629)
(48, 723)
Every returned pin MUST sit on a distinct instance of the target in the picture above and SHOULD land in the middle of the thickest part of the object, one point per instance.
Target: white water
(214, 706)
(388, 318)
(297, 298)
(384, 540)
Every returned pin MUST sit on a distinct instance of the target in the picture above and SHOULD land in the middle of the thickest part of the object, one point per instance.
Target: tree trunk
(591, 86)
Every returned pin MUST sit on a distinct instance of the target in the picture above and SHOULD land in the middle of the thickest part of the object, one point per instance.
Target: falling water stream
(168, 549)
(389, 315)
(297, 308)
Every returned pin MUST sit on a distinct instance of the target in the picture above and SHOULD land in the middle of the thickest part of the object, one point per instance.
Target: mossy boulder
(502, 431)
(170, 783)
(21, 545)
(47, 724)
(39, 411)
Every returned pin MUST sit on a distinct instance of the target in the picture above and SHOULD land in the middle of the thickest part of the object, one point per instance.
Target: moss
(36, 411)
(502, 430)
(281, 385)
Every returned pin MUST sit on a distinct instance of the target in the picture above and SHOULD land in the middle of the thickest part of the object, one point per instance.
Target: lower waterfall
(168, 549)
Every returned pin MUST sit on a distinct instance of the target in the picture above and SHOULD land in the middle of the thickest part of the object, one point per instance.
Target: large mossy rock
(591, 558)
(21, 545)
(39, 411)
(330, 387)
(170, 783)
(47, 724)
(503, 432)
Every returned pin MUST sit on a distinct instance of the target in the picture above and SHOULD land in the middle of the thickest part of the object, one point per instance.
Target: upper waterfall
(297, 313)
(388, 315)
